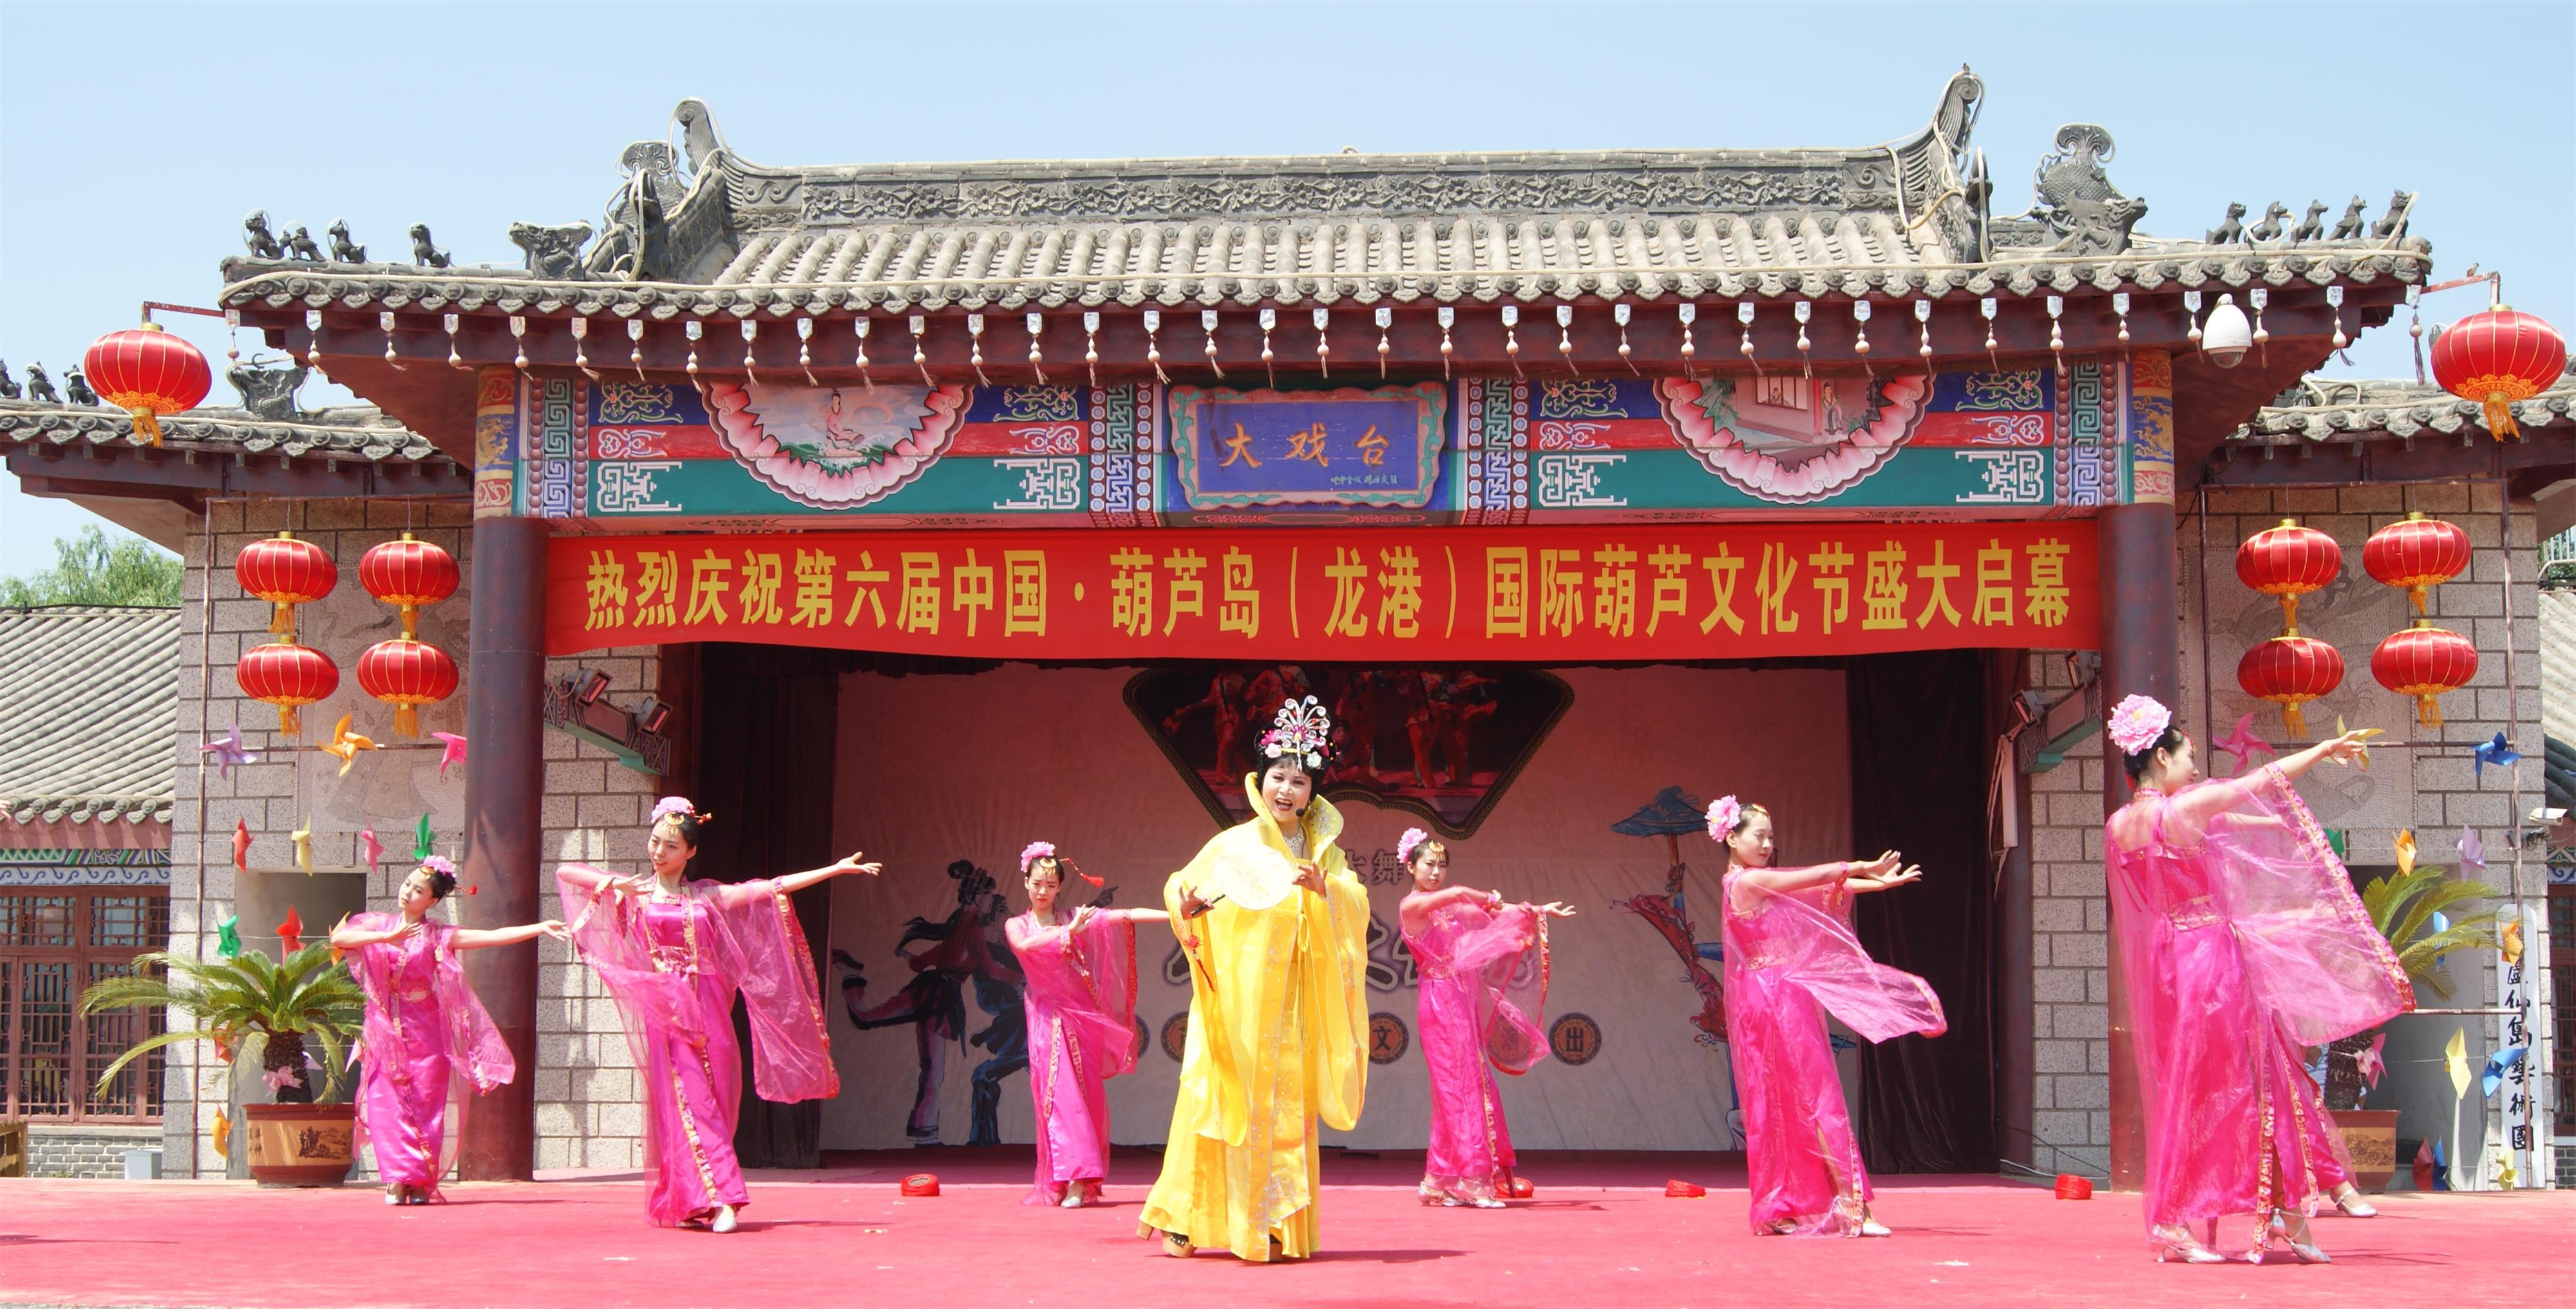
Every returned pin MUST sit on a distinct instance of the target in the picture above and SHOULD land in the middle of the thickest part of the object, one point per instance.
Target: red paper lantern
(406, 674)
(286, 573)
(2418, 554)
(288, 676)
(411, 573)
(2287, 562)
(2497, 357)
(2289, 671)
(147, 372)
(2424, 662)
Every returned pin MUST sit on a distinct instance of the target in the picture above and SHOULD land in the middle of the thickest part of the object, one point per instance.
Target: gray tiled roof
(716, 233)
(342, 432)
(88, 711)
(2333, 409)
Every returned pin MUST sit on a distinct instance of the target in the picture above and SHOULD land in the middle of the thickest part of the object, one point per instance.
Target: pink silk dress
(1080, 995)
(1791, 957)
(674, 967)
(425, 1049)
(2241, 943)
(1482, 999)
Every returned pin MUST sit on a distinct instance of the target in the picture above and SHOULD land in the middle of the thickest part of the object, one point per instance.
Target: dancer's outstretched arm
(476, 938)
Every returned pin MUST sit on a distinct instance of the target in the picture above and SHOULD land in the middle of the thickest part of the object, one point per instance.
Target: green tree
(89, 569)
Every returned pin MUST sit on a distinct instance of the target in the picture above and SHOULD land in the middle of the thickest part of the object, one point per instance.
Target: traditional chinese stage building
(933, 510)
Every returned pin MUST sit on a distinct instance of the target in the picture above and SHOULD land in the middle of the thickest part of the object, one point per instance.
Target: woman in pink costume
(674, 952)
(1790, 958)
(1081, 999)
(1483, 987)
(2240, 942)
(427, 1047)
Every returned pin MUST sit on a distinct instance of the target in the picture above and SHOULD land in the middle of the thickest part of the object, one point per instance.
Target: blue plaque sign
(1376, 447)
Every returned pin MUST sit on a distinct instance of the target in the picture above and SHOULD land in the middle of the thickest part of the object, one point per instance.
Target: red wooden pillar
(504, 710)
(2141, 655)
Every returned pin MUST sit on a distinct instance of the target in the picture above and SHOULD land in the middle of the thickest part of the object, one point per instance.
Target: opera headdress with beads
(1303, 731)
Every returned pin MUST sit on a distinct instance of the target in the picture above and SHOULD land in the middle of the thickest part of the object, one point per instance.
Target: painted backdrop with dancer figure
(947, 776)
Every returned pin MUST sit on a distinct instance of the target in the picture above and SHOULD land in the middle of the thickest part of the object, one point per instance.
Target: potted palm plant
(2415, 909)
(254, 1008)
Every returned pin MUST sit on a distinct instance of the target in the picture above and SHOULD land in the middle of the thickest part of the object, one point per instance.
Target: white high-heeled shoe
(2349, 1201)
(724, 1221)
(2178, 1244)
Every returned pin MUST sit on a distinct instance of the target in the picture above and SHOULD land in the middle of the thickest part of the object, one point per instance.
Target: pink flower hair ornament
(1414, 838)
(1037, 850)
(1301, 730)
(2137, 723)
(676, 804)
(1724, 814)
(439, 863)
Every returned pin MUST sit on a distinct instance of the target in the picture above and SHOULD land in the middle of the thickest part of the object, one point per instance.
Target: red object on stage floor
(410, 572)
(288, 676)
(2289, 671)
(2287, 562)
(2425, 662)
(147, 372)
(921, 1184)
(2497, 357)
(1521, 1188)
(407, 674)
(2418, 554)
(1678, 1189)
(286, 573)
(2072, 1187)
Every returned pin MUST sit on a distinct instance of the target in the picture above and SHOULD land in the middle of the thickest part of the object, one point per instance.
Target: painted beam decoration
(624, 456)
(1541, 593)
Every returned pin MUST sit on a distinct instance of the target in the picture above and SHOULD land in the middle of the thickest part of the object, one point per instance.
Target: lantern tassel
(2290, 614)
(2428, 710)
(2417, 593)
(2291, 719)
(407, 720)
(146, 424)
(287, 722)
(2500, 416)
(282, 623)
(411, 624)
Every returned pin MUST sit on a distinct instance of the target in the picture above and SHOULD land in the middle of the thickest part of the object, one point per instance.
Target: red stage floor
(1599, 1227)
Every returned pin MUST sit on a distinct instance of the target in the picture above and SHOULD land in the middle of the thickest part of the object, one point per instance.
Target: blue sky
(134, 137)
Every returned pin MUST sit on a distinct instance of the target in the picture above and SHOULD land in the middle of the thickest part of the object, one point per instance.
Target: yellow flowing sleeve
(1336, 956)
(1209, 1069)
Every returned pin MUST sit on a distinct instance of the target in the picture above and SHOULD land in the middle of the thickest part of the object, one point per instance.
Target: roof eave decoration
(698, 231)
(349, 435)
(2336, 410)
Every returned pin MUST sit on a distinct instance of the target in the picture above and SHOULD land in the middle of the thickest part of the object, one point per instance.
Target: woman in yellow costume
(1276, 929)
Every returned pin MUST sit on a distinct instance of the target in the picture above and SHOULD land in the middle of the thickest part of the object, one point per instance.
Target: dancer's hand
(2350, 746)
(1557, 909)
(1911, 873)
(402, 931)
(1310, 877)
(1876, 869)
(852, 865)
(1080, 917)
(1191, 903)
(554, 927)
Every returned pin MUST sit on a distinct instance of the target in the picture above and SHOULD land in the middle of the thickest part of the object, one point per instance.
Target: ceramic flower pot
(303, 1144)
(2370, 1140)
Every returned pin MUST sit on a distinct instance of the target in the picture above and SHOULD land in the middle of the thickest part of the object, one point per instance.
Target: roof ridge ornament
(2075, 198)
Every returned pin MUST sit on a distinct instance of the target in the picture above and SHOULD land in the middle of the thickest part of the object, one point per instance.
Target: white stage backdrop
(937, 769)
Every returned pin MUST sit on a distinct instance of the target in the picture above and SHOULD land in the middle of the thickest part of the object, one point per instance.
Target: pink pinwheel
(281, 1078)
(373, 848)
(2242, 744)
(241, 844)
(452, 752)
(229, 752)
(2473, 852)
(2369, 1062)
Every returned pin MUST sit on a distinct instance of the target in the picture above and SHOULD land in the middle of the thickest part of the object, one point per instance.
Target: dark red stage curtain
(766, 735)
(1919, 760)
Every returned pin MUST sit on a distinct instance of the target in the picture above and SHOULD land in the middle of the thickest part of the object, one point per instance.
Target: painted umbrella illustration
(1671, 815)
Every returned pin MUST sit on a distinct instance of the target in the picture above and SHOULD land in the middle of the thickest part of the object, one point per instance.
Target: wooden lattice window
(54, 943)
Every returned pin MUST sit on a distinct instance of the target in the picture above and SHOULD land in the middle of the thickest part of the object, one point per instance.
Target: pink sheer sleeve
(2311, 952)
(1505, 952)
(774, 967)
(1812, 945)
(1087, 977)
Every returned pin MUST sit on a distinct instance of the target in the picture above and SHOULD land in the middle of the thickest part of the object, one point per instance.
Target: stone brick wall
(2422, 778)
(79, 1150)
(587, 1115)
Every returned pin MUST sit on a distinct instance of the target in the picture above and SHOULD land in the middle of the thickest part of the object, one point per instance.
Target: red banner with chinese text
(1546, 594)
